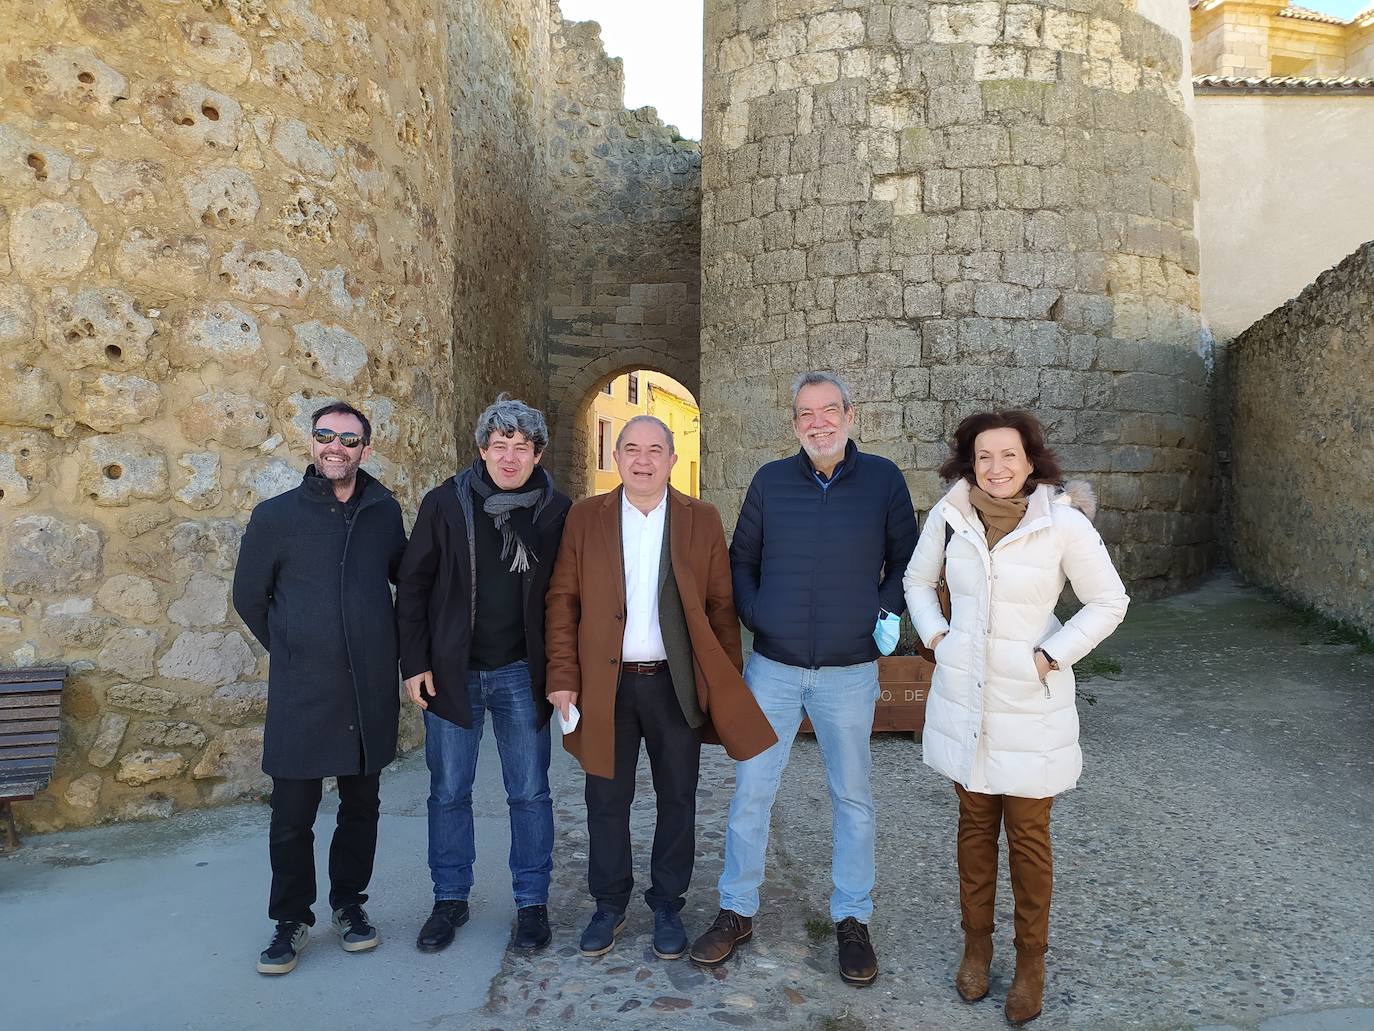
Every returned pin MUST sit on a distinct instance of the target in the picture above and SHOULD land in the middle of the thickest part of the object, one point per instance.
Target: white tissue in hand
(569, 722)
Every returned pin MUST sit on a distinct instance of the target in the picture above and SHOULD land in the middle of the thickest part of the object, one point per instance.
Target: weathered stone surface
(101, 327)
(72, 78)
(202, 490)
(155, 806)
(130, 652)
(214, 659)
(84, 791)
(43, 555)
(119, 469)
(293, 143)
(29, 397)
(142, 698)
(169, 734)
(265, 277)
(108, 402)
(221, 197)
(24, 462)
(235, 758)
(108, 737)
(50, 241)
(24, 159)
(130, 186)
(17, 321)
(70, 623)
(218, 333)
(308, 216)
(163, 261)
(235, 420)
(191, 118)
(205, 602)
(213, 544)
(216, 49)
(130, 596)
(329, 352)
(236, 702)
(145, 766)
(265, 478)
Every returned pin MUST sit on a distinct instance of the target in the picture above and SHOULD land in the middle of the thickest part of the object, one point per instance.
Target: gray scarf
(500, 504)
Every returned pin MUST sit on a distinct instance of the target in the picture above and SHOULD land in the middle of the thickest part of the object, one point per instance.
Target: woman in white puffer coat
(1001, 720)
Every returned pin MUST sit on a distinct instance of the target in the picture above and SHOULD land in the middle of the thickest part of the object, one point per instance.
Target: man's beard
(344, 474)
(815, 453)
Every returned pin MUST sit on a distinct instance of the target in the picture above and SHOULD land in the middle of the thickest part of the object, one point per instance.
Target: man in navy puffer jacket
(817, 561)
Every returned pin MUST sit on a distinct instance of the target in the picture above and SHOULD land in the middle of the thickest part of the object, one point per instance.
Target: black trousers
(291, 842)
(646, 707)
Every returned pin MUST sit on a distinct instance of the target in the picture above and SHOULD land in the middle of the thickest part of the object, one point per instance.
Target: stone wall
(624, 243)
(957, 206)
(1302, 441)
(214, 216)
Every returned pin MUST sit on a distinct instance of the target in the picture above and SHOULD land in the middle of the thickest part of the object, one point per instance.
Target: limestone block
(213, 659)
(292, 142)
(216, 50)
(979, 22)
(50, 241)
(221, 197)
(164, 261)
(170, 734)
(345, 292)
(24, 160)
(329, 352)
(130, 652)
(265, 478)
(98, 327)
(130, 186)
(29, 397)
(265, 277)
(145, 766)
(70, 77)
(202, 490)
(235, 757)
(308, 217)
(71, 623)
(117, 469)
(220, 333)
(142, 698)
(24, 462)
(84, 792)
(213, 544)
(150, 807)
(43, 555)
(108, 737)
(108, 402)
(236, 420)
(367, 171)
(17, 339)
(284, 67)
(241, 13)
(205, 602)
(133, 597)
(835, 30)
(868, 296)
(192, 118)
(236, 702)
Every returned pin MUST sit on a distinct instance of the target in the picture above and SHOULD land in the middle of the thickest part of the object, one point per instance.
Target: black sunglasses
(324, 436)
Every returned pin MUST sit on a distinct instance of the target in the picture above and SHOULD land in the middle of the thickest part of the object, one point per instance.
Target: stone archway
(570, 446)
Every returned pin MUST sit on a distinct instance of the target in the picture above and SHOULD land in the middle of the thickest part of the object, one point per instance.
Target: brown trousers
(1029, 853)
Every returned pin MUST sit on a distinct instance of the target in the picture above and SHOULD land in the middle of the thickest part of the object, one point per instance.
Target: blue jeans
(839, 700)
(451, 754)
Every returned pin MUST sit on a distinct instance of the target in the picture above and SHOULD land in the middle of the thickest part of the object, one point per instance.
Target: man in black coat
(313, 584)
(470, 606)
(817, 560)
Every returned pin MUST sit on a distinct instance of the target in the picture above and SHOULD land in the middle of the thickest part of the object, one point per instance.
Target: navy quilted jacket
(812, 566)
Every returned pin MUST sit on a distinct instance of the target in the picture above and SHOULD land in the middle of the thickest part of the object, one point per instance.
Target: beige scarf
(999, 515)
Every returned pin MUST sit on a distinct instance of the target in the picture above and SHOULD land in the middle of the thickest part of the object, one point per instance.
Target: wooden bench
(904, 683)
(30, 708)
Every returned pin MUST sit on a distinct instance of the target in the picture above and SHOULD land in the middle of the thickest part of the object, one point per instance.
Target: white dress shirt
(641, 545)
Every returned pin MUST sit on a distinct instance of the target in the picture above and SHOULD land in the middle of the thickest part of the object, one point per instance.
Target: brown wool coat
(585, 627)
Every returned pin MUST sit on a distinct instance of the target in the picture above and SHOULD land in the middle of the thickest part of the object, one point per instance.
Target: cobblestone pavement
(1213, 867)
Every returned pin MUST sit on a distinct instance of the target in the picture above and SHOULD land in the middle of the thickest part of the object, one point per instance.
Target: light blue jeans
(839, 700)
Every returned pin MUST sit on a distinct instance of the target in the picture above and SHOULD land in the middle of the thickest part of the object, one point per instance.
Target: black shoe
(599, 937)
(858, 961)
(287, 944)
(447, 916)
(355, 931)
(670, 937)
(531, 929)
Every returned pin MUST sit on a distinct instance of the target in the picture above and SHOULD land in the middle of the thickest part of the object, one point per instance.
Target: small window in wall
(605, 445)
(607, 389)
(634, 388)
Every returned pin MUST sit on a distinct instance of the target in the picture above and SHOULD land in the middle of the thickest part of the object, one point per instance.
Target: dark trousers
(292, 845)
(645, 707)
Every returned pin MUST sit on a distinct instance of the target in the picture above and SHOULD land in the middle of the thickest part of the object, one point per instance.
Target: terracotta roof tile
(1307, 14)
(1281, 84)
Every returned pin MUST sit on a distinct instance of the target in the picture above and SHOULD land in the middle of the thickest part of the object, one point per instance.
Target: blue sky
(1340, 8)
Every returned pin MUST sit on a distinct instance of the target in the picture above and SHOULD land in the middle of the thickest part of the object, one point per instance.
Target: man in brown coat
(642, 636)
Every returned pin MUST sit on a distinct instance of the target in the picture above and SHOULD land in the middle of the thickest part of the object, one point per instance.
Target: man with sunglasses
(313, 584)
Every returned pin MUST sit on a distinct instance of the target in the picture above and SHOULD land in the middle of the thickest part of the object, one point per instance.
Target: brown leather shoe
(972, 978)
(1027, 989)
(858, 961)
(718, 943)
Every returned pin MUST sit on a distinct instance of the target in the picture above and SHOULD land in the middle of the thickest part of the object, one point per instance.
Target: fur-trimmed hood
(1079, 494)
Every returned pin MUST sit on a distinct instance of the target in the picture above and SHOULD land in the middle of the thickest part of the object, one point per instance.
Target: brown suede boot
(1027, 988)
(972, 978)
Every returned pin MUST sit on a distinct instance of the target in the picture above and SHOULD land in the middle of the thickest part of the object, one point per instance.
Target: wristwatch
(1054, 663)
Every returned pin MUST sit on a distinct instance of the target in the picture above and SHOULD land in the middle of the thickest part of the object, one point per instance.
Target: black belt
(645, 669)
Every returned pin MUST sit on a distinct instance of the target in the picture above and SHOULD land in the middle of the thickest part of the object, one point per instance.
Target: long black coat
(812, 567)
(316, 592)
(434, 600)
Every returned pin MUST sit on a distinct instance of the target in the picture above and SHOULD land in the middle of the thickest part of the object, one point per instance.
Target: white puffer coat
(991, 724)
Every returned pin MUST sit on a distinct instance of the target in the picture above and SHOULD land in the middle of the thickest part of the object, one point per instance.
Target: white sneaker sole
(349, 946)
(601, 952)
(289, 965)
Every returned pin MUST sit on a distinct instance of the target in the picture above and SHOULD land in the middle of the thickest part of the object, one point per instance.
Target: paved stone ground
(1214, 873)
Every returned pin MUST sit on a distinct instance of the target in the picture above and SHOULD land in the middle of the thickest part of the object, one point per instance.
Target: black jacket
(434, 597)
(316, 592)
(812, 567)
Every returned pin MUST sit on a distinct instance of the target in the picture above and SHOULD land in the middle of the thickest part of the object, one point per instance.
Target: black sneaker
(447, 916)
(599, 937)
(287, 944)
(858, 961)
(354, 929)
(531, 929)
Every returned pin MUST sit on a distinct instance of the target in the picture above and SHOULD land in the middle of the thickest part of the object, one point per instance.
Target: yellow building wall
(662, 397)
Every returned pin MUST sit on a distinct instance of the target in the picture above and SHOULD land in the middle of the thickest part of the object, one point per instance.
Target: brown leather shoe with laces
(858, 961)
(718, 943)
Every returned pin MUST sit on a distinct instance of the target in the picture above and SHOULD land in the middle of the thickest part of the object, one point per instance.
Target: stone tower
(960, 206)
